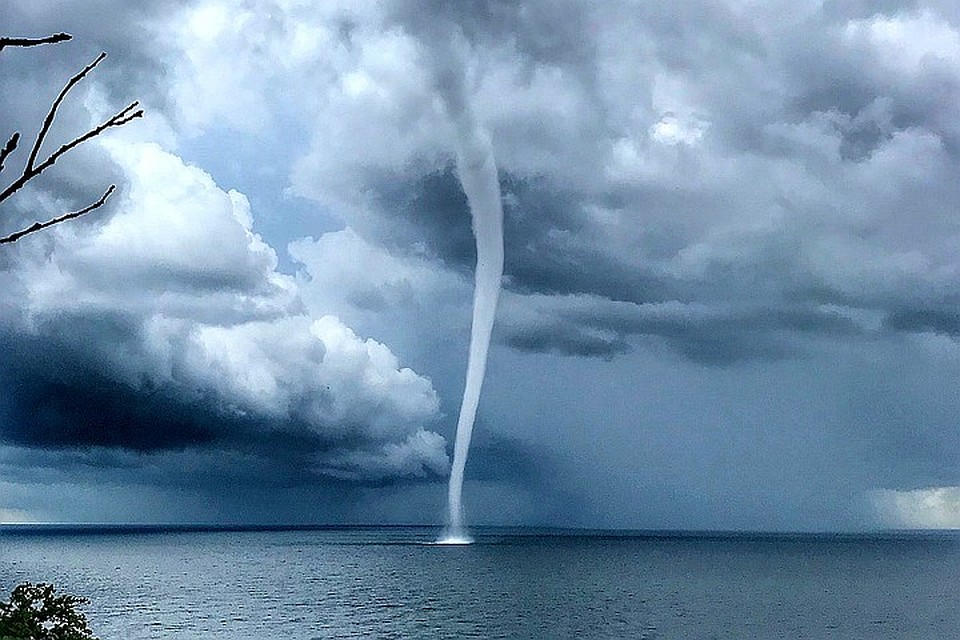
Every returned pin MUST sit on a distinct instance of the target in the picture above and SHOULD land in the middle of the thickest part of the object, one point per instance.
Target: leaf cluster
(35, 612)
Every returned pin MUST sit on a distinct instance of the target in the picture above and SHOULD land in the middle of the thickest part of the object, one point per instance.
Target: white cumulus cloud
(185, 297)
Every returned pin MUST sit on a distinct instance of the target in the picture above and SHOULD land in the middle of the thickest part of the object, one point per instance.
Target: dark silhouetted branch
(122, 117)
(34, 167)
(37, 226)
(32, 42)
(52, 113)
(9, 148)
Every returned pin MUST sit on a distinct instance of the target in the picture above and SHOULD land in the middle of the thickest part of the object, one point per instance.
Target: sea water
(394, 583)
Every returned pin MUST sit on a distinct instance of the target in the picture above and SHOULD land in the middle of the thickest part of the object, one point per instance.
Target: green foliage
(35, 613)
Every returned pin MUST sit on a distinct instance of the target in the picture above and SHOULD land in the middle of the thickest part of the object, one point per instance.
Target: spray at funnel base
(453, 541)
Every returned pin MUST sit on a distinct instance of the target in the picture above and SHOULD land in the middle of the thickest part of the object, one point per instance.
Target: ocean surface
(393, 583)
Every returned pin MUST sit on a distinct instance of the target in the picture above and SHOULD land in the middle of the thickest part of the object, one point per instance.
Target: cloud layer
(705, 155)
(164, 325)
(755, 202)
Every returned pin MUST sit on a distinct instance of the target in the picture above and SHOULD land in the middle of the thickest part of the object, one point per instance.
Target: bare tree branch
(122, 117)
(32, 42)
(33, 168)
(52, 113)
(9, 147)
(37, 226)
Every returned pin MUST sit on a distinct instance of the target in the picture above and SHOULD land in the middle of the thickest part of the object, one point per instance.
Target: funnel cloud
(477, 170)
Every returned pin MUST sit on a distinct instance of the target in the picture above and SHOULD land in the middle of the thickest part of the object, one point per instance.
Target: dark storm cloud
(542, 31)
(552, 249)
(594, 328)
(123, 30)
(66, 392)
(430, 210)
(838, 72)
(565, 338)
(502, 458)
(62, 394)
(549, 247)
(814, 95)
(942, 321)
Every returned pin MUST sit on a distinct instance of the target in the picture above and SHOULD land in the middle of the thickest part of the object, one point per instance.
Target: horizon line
(529, 530)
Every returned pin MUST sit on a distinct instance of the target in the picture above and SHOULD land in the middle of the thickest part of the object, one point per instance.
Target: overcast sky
(731, 294)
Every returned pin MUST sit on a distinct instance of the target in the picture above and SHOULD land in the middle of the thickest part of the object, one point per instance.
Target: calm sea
(391, 583)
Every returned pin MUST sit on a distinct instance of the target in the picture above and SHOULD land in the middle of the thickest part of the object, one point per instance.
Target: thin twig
(52, 113)
(9, 147)
(32, 42)
(122, 117)
(37, 226)
(32, 169)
